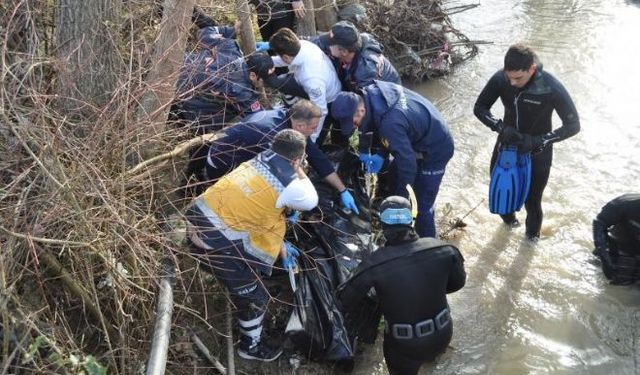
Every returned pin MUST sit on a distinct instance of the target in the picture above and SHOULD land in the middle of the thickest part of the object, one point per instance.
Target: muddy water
(544, 308)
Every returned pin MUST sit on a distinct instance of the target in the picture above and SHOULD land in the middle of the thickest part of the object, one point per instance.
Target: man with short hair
(237, 228)
(311, 68)
(409, 127)
(214, 88)
(529, 96)
(254, 134)
(411, 277)
(262, 72)
(213, 83)
(358, 57)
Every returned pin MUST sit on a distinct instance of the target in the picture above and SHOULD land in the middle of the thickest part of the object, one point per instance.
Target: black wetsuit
(617, 226)
(616, 236)
(529, 109)
(411, 278)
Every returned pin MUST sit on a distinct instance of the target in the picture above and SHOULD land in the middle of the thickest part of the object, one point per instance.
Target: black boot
(260, 351)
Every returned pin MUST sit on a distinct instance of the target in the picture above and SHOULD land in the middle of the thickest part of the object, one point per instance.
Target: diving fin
(505, 182)
(524, 174)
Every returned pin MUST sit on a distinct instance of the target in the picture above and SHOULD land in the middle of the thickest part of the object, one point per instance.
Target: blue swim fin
(524, 174)
(505, 183)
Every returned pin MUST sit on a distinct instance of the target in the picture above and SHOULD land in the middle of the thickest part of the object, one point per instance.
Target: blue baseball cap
(343, 109)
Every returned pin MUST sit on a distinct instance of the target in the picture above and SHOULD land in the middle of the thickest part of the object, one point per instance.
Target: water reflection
(544, 308)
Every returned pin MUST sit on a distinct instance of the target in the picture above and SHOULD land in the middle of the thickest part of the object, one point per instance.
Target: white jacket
(313, 70)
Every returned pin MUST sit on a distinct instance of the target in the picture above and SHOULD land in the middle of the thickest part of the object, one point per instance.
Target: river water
(546, 307)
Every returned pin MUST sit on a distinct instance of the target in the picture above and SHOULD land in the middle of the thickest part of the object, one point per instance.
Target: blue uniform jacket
(369, 63)
(214, 82)
(219, 36)
(409, 127)
(253, 135)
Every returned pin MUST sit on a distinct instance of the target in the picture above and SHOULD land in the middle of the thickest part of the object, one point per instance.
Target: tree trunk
(247, 39)
(307, 25)
(168, 56)
(326, 14)
(87, 49)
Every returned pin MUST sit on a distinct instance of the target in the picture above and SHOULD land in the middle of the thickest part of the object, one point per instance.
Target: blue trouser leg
(246, 290)
(426, 187)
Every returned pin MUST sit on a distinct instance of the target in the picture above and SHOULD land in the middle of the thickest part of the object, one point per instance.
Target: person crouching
(411, 277)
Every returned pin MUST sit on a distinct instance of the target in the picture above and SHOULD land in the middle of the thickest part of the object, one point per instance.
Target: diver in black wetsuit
(411, 277)
(529, 95)
(616, 236)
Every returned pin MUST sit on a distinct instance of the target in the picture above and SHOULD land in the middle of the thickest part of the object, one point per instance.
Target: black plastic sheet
(333, 242)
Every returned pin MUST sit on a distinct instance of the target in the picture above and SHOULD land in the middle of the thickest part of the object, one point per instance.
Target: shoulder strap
(389, 253)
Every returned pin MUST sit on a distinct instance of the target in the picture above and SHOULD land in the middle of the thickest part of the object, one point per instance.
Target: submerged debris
(418, 36)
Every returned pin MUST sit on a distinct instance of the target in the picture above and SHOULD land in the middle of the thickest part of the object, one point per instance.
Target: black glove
(509, 135)
(530, 143)
(497, 127)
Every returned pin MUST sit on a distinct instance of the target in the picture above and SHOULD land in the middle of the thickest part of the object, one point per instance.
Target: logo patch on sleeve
(315, 92)
(255, 107)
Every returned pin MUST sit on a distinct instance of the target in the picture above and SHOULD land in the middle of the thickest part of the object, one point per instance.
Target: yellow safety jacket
(242, 205)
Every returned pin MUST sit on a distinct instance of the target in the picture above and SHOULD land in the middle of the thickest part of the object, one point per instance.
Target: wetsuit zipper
(515, 103)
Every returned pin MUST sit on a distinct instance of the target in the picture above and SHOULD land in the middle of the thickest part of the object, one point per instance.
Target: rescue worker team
(256, 183)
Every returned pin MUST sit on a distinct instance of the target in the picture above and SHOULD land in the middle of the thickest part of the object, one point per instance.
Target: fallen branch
(178, 150)
(49, 241)
(459, 223)
(422, 43)
(58, 270)
(203, 349)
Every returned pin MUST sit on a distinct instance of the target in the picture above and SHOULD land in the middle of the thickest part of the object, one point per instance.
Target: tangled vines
(81, 237)
(418, 36)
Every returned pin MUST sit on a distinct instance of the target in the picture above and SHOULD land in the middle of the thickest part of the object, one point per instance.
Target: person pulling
(411, 277)
(237, 228)
(409, 127)
(254, 134)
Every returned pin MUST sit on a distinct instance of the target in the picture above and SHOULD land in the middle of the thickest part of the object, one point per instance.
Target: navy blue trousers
(426, 187)
(235, 272)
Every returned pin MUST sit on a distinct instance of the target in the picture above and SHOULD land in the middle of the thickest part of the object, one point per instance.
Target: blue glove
(348, 202)
(289, 262)
(262, 46)
(372, 162)
(293, 218)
